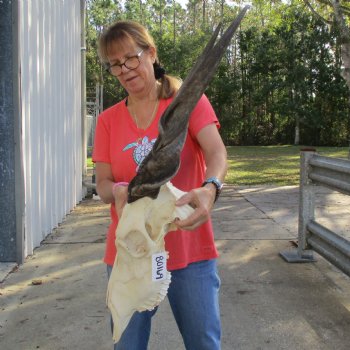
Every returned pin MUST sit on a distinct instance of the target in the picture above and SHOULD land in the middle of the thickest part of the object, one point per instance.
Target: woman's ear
(153, 52)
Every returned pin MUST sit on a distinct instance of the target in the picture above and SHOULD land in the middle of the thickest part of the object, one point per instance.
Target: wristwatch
(217, 183)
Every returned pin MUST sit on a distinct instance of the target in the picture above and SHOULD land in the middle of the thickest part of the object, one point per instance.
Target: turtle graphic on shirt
(141, 150)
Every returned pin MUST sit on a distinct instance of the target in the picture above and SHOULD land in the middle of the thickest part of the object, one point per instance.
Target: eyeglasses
(131, 63)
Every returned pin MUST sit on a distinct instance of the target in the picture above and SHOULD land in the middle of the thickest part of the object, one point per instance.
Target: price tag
(159, 271)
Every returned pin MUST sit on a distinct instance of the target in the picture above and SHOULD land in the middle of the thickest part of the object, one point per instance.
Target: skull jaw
(140, 235)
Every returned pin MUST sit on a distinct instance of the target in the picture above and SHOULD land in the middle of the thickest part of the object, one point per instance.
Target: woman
(124, 135)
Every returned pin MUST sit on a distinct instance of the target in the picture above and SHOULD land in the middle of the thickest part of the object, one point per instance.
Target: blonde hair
(129, 30)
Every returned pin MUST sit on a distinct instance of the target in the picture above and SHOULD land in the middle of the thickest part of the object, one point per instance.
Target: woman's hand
(202, 200)
(120, 198)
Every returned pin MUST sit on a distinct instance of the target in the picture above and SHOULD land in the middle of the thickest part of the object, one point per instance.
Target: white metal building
(42, 158)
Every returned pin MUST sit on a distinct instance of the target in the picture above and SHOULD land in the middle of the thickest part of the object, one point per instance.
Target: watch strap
(217, 183)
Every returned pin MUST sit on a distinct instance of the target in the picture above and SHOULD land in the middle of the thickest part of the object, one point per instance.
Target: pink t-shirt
(120, 143)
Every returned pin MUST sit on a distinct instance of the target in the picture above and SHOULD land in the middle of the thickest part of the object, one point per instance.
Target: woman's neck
(144, 108)
(150, 96)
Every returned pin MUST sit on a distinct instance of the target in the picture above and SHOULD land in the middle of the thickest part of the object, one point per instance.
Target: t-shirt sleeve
(202, 115)
(101, 142)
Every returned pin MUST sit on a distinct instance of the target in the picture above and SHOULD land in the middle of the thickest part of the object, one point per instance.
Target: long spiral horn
(163, 162)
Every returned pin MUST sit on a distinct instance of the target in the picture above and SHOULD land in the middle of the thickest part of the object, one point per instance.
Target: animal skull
(139, 279)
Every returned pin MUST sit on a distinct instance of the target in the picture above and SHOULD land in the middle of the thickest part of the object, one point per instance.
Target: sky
(183, 3)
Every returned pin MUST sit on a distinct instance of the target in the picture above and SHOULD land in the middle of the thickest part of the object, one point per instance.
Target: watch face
(215, 181)
(220, 185)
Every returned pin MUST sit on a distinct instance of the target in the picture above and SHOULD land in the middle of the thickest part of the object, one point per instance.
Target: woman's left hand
(202, 200)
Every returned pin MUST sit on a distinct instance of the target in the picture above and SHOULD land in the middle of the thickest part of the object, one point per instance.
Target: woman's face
(140, 81)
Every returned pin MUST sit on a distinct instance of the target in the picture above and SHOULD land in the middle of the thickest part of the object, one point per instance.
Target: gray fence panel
(335, 174)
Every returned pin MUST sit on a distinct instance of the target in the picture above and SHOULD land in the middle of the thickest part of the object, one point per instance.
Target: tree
(338, 11)
(279, 81)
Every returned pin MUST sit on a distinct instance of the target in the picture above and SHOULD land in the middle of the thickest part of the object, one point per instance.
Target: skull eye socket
(158, 219)
(135, 243)
(157, 230)
(149, 230)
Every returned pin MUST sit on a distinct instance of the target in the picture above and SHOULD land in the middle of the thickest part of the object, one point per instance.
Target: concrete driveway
(56, 300)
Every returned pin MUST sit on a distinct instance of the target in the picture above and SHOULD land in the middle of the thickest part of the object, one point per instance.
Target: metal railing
(333, 173)
(94, 106)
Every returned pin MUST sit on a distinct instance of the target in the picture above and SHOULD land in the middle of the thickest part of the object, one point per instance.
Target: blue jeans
(194, 299)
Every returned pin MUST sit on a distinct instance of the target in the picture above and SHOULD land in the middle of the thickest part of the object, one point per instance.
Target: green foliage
(280, 74)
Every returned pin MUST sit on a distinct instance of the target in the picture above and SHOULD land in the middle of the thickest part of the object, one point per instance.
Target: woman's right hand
(120, 198)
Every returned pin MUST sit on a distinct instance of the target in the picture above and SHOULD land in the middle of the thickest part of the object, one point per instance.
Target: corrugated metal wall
(51, 112)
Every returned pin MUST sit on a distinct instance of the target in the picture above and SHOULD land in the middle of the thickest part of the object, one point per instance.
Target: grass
(89, 162)
(270, 165)
(267, 165)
